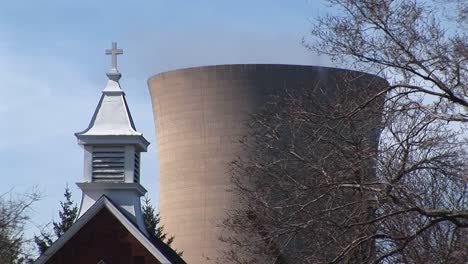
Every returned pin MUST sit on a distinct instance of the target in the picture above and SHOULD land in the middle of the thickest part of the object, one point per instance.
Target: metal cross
(114, 52)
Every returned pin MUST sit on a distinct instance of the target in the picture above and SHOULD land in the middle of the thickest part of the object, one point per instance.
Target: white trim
(138, 188)
(97, 207)
(138, 140)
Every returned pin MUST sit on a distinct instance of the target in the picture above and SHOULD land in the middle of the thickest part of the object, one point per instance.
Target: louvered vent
(137, 167)
(108, 163)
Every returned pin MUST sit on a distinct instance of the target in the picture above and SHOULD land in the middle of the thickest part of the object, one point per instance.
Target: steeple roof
(112, 119)
(112, 116)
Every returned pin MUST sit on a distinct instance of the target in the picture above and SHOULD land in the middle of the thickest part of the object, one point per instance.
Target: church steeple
(112, 147)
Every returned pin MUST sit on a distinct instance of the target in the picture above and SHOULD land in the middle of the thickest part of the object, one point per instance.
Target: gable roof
(162, 252)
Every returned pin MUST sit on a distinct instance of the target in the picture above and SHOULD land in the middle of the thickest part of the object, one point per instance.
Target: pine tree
(68, 214)
(43, 241)
(155, 230)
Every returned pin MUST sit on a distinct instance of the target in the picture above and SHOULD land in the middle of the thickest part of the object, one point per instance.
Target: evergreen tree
(68, 214)
(155, 230)
(43, 241)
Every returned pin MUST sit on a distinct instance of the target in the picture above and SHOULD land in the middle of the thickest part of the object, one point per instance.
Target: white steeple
(112, 147)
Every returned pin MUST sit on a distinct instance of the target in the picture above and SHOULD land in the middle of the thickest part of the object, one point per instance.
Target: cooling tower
(200, 116)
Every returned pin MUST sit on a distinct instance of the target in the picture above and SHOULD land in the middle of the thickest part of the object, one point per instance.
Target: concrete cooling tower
(200, 116)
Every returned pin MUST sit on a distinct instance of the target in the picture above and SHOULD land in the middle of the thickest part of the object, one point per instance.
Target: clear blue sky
(52, 70)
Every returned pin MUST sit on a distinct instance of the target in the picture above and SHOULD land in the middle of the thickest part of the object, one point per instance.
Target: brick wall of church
(103, 238)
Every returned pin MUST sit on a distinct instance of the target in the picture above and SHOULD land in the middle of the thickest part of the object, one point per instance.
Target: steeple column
(112, 148)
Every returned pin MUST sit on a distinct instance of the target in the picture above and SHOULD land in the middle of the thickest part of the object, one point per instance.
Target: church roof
(162, 252)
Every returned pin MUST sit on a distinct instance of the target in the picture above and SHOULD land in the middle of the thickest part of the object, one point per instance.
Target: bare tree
(14, 213)
(453, 10)
(315, 188)
(406, 43)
